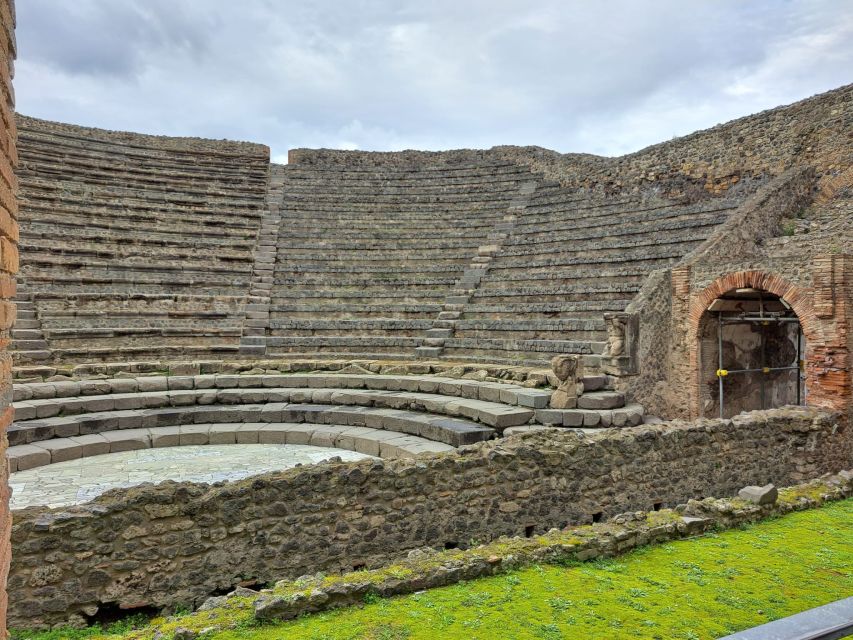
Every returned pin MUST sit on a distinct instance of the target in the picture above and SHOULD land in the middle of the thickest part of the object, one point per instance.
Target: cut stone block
(768, 494)
(27, 456)
(601, 400)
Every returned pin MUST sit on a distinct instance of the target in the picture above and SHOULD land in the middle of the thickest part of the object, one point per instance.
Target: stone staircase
(28, 340)
(599, 406)
(445, 324)
(253, 341)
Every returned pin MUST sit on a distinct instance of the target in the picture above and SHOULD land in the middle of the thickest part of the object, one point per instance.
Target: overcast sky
(599, 76)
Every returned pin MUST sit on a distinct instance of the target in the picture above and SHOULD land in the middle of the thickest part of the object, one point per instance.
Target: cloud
(606, 77)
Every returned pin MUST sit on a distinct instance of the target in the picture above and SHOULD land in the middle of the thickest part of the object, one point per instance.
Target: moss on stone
(707, 586)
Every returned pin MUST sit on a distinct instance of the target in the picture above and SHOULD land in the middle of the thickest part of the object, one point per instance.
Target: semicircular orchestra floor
(76, 481)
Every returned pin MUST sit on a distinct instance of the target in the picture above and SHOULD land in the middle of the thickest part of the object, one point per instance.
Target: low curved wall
(177, 543)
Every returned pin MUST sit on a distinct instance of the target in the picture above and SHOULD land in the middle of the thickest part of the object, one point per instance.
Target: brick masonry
(8, 267)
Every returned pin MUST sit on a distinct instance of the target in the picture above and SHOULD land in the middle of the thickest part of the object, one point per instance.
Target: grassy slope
(702, 588)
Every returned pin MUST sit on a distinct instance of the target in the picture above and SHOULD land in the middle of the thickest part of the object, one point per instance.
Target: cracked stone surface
(77, 481)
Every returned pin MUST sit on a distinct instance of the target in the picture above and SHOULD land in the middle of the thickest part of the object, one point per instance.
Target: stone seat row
(505, 393)
(549, 310)
(306, 233)
(551, 234)
(339, 268)
(84, 197)
(492, 189)
(493, 414)
(162, 221)
(616, 242)
(203, 183)
(39, 232)
(551, 214)
(110, 158)
(548, 347)
(95, 353)
(319, 253)
(155, 148)
(649, 253)
(357, 310)
(121, 204)
(124, 250)
(379, 179)
(365, 326)
(452, 431)
(415, 171)
(110, 153)
(375, 442)
(567, 292)
(233, 269)
(405, 241)
(404, 210)
(162, 281)
(390, 279)
(42, 188)
(592, 275)
(165, 226)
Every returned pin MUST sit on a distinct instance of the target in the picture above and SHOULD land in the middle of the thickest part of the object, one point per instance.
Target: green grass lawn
(690, 589)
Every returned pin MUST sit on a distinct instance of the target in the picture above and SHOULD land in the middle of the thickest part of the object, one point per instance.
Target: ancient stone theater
(229, 372)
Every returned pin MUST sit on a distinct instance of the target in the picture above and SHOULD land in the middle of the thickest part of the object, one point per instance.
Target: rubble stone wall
(178, 543)
(812, 132)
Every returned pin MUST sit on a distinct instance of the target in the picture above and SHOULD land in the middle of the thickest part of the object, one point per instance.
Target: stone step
(439, 333)
(453, 431)
(27, 334)
(29, 345)
(594, 383)
(601, 400)
(27, 323)
(494, 414)
(376, 442)
(428, 352)
(628, 416)
(503, 392)
(31, 356)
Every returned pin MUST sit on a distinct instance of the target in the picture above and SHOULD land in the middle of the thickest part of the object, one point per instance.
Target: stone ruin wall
(177, 543)
(8, 267)
(812, 132)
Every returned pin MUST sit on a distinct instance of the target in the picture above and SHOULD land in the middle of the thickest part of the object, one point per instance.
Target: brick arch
(799, 298)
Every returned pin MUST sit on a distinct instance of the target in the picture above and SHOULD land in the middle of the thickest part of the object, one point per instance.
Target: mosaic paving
(76, 481)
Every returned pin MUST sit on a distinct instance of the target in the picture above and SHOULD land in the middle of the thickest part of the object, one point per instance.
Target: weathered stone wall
(666, 373)
(8, 267)
(813, 132)
(178, 543)
(251, 150)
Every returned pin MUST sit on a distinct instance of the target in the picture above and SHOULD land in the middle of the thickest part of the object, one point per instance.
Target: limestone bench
(374, 442)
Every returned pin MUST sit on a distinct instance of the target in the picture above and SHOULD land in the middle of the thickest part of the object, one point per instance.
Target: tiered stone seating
(384, 415)
(137, 246)
(388, 415)
(570, 259)
(367, 255)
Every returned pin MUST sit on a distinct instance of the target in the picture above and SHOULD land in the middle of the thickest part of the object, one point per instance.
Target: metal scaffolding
(763, 369)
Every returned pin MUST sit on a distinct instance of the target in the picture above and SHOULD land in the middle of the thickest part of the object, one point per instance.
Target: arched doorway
(751, 353)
